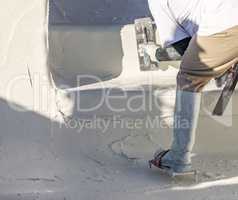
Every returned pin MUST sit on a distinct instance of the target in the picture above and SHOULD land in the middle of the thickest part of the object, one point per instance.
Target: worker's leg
(185, 123)
(205, 58)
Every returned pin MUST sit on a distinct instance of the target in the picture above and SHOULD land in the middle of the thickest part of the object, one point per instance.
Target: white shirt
(178, 19)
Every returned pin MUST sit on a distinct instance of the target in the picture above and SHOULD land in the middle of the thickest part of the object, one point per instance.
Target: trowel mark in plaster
(127, 146)
(13, 30)
(205, 185)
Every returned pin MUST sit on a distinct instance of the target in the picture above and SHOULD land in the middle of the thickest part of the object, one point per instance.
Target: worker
(205, 33)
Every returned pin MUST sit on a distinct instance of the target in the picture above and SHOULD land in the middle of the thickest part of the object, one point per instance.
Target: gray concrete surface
(97, 12)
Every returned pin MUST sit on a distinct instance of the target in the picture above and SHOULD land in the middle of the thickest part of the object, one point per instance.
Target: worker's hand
(149, 49)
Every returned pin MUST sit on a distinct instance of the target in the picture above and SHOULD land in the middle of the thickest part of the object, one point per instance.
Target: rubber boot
(186, 116)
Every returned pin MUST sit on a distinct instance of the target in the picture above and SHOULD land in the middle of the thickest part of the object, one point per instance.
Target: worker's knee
(191, 83)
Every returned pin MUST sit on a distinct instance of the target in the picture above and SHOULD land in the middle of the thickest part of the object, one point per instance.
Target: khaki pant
(207, 57)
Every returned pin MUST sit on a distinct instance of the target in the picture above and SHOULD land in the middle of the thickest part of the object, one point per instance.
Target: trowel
(145, 31)
(227, 92)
